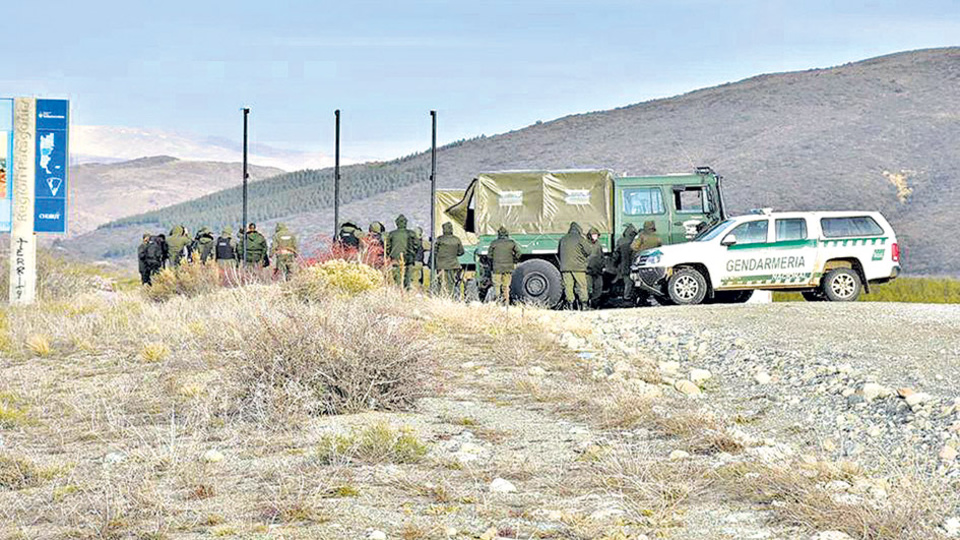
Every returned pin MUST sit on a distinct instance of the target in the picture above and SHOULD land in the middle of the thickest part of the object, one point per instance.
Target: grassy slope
(818, 139)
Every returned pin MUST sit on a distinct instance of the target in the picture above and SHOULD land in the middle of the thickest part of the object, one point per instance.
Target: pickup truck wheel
(813, 296)
(687, 286)
(537, 282)
(841, 285)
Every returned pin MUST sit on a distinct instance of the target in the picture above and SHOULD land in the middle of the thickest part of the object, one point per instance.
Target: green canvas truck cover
(542, 202)
(446, 199)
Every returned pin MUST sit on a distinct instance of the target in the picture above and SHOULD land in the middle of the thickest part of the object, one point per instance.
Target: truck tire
(537, 282)
(841, 285)
(687, 286)
(732, 297)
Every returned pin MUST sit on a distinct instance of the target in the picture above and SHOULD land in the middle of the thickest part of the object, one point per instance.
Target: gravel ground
(797, 372)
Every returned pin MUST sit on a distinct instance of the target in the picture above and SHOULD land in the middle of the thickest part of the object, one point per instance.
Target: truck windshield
(714, 231)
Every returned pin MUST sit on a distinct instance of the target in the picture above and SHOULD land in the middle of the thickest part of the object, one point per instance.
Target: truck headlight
(651, 260)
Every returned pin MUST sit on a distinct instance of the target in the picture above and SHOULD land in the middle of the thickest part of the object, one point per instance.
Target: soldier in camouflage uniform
(203, 244)
(573, 251)
(256, 255)
(178, 244)
(401, 249)
(504, 256)
(448, 250)
(284, 251)
(623, 255)
(594, 267)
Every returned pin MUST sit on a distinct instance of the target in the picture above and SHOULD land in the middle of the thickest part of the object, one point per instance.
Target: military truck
(538, 206)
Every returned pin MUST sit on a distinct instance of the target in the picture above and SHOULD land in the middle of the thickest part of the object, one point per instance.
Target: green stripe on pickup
(785, 244)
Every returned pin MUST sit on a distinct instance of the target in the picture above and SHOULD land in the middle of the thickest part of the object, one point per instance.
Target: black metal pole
(336, 179)
(243, 258)
(433, 196)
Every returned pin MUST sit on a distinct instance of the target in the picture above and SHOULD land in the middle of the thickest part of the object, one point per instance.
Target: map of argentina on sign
(50, 208)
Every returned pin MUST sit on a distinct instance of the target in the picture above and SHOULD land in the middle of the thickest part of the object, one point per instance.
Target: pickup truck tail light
(895, 252)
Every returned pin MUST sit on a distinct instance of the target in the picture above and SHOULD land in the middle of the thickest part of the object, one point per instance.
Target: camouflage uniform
(284, 251)
(376, 243)
(574, 251)
(504, 255)
(647, 239)
(448, 250)
(401, 249)
(256, 254)
(624, 258)
(594, 266)
(349, 235)
(203, 244)
(178, 244)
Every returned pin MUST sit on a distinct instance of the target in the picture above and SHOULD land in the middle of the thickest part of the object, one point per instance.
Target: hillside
(878, 134)
(103, 192)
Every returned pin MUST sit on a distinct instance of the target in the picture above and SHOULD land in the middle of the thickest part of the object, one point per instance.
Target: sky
(487, 67)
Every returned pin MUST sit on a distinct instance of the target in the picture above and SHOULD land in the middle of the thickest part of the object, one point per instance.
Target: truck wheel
(732, 297)
(841, 285)
(815, 295)
(537, 282)
(687, 286)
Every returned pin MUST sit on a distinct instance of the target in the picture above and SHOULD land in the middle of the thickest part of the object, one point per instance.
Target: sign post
(23, 240)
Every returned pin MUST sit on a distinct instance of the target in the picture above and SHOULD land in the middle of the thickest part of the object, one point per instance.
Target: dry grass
(804, 495)
(378, 443)
(653, 490)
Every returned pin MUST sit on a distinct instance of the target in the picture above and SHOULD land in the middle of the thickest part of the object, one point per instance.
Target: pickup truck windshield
(714, 231)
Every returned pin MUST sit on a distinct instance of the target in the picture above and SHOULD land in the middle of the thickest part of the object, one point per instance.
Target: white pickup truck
(823, 255)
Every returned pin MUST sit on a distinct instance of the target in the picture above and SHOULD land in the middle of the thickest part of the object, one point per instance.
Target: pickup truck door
(743, 264)
(689, 205)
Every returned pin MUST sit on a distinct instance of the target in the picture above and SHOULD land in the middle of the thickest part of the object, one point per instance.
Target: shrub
(12, 413)
(378, 443)
(334, 277)
(331, 359)
(154, 352)
(18, 473)
(39, 345)
(187, 279)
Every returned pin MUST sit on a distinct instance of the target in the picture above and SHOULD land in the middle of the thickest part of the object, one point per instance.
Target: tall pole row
(246, 112)
(433, 196)
(336, 178)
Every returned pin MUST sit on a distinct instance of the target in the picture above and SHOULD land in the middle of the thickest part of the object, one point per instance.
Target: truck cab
(537, 208)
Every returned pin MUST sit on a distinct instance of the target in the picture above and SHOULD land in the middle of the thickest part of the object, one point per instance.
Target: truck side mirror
(729, 240)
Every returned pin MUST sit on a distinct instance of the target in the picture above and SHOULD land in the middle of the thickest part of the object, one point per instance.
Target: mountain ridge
(824, 138)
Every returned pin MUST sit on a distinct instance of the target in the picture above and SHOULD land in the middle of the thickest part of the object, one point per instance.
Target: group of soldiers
(583, 265)
(405, 249)
(178, 247)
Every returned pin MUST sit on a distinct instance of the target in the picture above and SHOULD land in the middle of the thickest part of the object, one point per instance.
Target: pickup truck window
(850, 226)
(791, 229)
(714, 231)
(751, 232)
(642, 201)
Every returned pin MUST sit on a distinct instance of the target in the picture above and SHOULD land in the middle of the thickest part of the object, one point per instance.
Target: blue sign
(50, 208)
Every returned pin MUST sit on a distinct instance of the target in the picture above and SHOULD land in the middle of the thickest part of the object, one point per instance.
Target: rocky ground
(775, 421)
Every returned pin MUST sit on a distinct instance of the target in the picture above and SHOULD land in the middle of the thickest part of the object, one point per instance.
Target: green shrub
(188, 279)
(378, 443)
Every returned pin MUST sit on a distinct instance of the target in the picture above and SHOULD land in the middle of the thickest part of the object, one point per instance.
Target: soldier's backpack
(154, 250)
(347, 238)
(225, 249)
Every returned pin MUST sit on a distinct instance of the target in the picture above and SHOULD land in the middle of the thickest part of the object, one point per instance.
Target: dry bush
(335, 277)
(800, 494)
(188, 279)
(18, 473)
(338, 357)
(653, 490)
